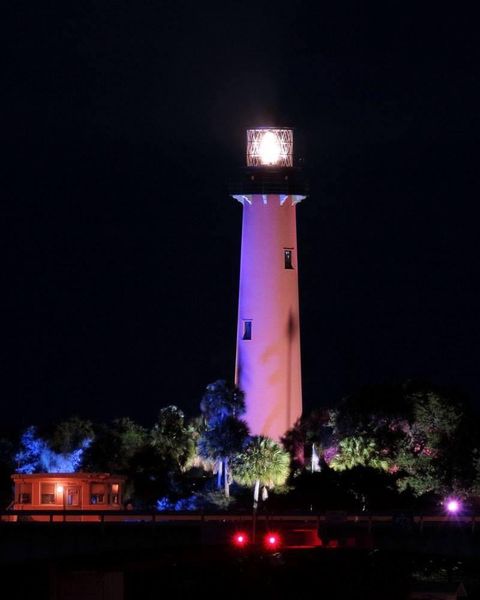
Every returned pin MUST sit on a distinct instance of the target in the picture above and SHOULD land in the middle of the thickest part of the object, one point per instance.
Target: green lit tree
(172, 438)
(262, 464)
(158, 465)
(434, 455)
(356, 451)
(115, 445)
(423, 435)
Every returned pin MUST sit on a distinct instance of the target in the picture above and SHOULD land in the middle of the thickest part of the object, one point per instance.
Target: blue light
(182, 505)
(35, 455)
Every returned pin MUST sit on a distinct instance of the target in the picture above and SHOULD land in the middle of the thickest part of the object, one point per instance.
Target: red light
(272, 541)
(240, 539)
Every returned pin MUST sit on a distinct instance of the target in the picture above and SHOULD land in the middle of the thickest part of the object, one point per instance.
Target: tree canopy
(263, 463)
(225, 433)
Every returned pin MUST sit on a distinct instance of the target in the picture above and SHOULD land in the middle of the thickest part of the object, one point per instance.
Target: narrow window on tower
(247, 330)
(288, 258)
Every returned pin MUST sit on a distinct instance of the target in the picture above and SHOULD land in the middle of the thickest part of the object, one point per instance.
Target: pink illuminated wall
(268, 365)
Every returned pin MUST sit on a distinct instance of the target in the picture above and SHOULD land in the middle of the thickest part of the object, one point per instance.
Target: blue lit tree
(225, 433)
(222, 400)
(36, 455)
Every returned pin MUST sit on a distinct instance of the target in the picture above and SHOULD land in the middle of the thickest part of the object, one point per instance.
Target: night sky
(122, 124)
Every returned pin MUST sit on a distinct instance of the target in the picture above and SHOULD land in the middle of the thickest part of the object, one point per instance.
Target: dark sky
(122, 124)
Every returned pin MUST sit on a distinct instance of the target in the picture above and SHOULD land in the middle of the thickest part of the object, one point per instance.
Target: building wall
(83, 483)
(268, 367)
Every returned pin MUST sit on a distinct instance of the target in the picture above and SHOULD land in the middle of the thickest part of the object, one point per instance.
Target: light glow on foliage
(262, 460)
(357, 451)
(36, 456)
(330, 453)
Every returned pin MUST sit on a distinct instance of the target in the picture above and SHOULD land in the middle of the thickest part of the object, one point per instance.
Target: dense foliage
(262, 464)
(384, 446)
(425, 438)
(224, 434)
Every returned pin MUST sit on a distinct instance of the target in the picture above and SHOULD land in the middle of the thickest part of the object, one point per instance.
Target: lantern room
(269, 147)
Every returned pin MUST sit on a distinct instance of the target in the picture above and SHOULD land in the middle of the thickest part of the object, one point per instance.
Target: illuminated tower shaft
(268, 366)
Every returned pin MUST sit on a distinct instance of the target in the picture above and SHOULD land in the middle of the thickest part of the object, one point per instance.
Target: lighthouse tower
(268, 367)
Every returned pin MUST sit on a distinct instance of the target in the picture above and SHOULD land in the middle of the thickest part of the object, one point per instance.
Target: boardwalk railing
(129, 516)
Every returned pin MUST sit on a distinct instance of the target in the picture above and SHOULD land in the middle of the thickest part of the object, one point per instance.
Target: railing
(126, 516)
(268, 181)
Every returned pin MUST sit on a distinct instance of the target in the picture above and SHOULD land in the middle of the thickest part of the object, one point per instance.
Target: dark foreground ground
(133, 561)
(352, 574)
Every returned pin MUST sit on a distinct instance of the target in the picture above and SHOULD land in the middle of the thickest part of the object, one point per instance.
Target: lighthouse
(268, 361)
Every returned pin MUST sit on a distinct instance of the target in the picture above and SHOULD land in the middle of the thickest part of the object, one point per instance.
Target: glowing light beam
(272, 541)
(453, 505)
(268, 146)
(240, 539)
(269, 149)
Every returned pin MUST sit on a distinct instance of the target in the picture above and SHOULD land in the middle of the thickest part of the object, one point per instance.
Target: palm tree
(224, 433)
(222, 442)
(222, 400)
(356, 451)
(263, 463)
